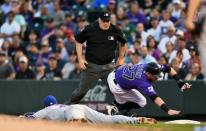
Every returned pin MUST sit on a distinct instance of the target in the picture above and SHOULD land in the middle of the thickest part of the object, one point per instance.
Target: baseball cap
(52, 56)
(40, 64)
(180, 33)
(192, 48)
(50, 100)
(105, 16)
(176, 1)
(23, 59)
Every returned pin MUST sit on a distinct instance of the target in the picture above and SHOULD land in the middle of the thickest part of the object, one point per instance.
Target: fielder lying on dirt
(77, 112)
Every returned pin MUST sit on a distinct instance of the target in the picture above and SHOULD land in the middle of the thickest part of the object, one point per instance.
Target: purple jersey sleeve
(163, 68)
(149, 91)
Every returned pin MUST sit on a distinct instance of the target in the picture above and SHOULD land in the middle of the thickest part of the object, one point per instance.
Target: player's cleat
(112, 110)
(134, 115)
(145, 120)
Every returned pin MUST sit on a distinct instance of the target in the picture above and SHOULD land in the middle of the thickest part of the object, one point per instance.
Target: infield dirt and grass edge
(11, 123)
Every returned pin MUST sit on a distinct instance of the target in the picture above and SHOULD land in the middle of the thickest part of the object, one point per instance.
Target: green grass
(166, 127)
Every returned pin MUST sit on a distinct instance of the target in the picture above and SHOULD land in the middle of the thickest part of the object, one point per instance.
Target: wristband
(176, 77)
(179, 81)
(164, 107)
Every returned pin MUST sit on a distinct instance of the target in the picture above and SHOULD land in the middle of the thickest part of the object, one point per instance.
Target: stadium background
(40, 40)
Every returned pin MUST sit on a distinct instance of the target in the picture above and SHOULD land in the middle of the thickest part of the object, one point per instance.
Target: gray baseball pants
(89, 76)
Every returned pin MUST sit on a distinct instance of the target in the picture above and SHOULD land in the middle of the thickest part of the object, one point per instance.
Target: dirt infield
(9, 123)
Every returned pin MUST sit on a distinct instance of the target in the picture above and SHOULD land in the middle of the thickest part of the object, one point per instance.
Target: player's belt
(115, 82)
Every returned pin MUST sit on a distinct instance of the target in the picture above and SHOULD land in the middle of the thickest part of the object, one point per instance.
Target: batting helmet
(154, 69)
(50, 100)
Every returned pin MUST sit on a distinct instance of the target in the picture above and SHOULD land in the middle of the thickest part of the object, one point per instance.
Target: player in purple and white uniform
(129, 83)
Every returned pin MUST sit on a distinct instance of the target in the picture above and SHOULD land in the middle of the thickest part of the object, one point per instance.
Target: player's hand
(185, 86)
(83, 63)
(173, 112)
(120, 61)
(190, 25)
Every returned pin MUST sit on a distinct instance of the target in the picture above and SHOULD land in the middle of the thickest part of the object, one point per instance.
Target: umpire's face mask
(104, 25)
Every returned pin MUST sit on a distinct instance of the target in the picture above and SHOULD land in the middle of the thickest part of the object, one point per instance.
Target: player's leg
(127, 105)
(97, 117)
(132, 99)
(84, 113)
(107, 69)
(125, 99)
(75, 113)
(88, 77)
(122, 109)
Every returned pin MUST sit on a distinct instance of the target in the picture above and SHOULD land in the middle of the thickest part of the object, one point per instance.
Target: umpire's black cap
(154, 69)
(105, 16)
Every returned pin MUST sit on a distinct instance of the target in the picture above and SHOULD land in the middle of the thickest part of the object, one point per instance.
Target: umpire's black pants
(89, 77)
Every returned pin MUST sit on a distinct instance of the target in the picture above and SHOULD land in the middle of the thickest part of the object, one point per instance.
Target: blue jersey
(133, 77)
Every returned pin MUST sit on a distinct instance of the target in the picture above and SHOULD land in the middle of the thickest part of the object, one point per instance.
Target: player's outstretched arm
(160, 103)
(182, 84)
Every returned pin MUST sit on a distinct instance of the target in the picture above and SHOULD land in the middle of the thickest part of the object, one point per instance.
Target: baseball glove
(145, 120)
(78, 121)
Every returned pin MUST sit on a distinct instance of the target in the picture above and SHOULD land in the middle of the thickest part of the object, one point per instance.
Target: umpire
(102, 39)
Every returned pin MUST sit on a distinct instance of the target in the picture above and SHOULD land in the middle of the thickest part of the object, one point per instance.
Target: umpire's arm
(81, 60)
(122, 47)
(80, 39)
(122, 50)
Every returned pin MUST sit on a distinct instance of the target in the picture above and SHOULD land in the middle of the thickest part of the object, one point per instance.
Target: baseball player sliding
(128, 83)
(55, 111)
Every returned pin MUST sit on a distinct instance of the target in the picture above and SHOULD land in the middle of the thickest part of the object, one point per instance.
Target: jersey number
(130, 73)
